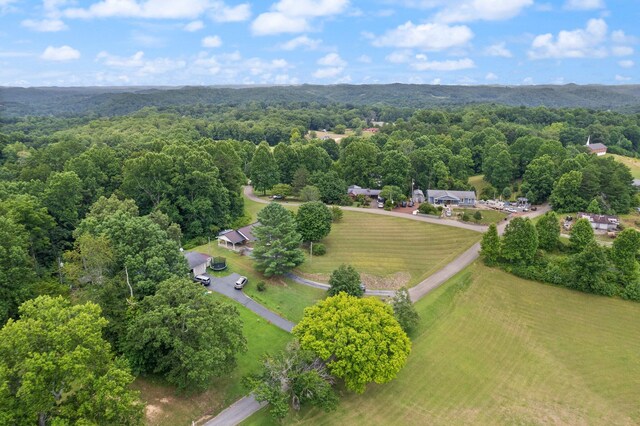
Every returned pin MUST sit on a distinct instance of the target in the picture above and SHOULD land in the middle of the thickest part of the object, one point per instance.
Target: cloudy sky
(176, 42)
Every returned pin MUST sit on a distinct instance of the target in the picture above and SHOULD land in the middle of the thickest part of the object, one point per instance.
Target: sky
(221, 42)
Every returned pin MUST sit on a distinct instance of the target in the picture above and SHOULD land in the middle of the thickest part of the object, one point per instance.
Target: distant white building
(596, 148)
(601, 221)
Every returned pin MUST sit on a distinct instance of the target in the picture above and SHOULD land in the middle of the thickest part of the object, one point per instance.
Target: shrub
(336, 213)
(466, 217)
(261, 286)
(427, 208)
(477, 216)
(319, 249)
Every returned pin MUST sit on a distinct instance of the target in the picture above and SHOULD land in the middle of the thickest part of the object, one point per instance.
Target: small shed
(198, 262)
(418, 196)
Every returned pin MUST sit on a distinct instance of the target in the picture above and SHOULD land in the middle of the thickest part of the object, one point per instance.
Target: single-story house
(371, 129)
(198, 262)
(418, 196)
(444, 197)
(596, 148)
(354, 190)
(601, 221)
(237, 237)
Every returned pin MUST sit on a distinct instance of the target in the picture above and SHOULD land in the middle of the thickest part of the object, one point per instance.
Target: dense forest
(110, 101)
(97, 194)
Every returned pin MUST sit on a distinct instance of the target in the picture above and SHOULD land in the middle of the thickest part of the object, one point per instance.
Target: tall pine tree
(277, 249)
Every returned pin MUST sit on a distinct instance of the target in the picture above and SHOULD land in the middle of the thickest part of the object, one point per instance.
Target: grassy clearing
(632, 163)
(283, 296)
(496, 349)
(488, 216)
(167, 406)
(390, 252)
(478, 183)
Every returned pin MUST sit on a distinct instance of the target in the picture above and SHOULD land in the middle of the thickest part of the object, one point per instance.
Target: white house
(601, 221)
(198, 262)
(460, 198)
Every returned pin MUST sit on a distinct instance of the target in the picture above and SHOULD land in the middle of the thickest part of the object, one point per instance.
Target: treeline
(536, 252)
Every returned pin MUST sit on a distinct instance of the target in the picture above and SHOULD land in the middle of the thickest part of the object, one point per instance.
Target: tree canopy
(313, 221)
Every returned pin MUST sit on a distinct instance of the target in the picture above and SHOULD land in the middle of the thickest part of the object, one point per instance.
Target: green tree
(594, 207)
(300, 179)
(506, 193)
(282, 189)
(539, 178)
(565, 196)
(581, 235)
(477, 216)
(332, 188)
(624, 254)
(359, 162)
(292, 378)
(589, 270)
(358, 338)
(393, 194)
(287, 160)
(309, 193)
(184, 334)
(404, 311)
(264, 170)
(548, 228)
(345, 279)
(520, 241)
(62, 197)
(313, 221)
(16, 268)
(147, 179)
(336, 213)
(490, 245)
(395, 169)
(277, 246)
(55, 368)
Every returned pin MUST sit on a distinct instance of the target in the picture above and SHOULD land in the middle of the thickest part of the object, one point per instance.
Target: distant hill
(111, 101)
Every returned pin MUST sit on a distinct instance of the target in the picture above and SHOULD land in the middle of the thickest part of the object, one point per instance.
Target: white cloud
(332, 60)
(430, 36)
(220, 12)
(139, 64)
(498, 49)
(621, 38)
(62, 53)
(580, 43)
(44, 25)
(293, 16)
(399, 56)
(527, 81)
(301, 41)
(622, 50)
(449, 65)
(193, 26)
(328, 72)
(626, 64)
(436, 81)
(491, 77)
(6, 6)
(365, 59)
(621, 78)
(211, 42)
(484, 10)
(276, 23)
(584, 4)
(162, 9)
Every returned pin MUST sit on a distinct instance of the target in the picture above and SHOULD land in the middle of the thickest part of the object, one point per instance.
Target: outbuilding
(198, 262)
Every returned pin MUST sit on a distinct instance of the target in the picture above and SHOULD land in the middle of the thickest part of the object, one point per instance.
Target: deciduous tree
(345, 279)
(548, 228)
(313, 221)
(359, 339)
(404, 311)
(520, 241)
(624, 255)
(581, 235)
(264, 170)
(490, 245)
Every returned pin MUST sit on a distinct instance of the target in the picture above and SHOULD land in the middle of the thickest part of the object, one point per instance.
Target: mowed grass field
(165, 405)
(495, 349)
(632, 163)
(389, 252)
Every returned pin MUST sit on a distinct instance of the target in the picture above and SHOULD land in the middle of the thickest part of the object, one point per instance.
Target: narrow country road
(237, 412)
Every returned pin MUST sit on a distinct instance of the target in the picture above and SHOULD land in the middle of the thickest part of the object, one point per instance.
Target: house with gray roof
(445, 197)
(354, 190)
(237, 238)
(198, 262)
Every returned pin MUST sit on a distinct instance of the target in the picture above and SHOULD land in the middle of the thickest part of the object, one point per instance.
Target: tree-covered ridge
(122, 101)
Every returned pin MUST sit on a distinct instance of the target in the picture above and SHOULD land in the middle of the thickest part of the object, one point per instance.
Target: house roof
(418, 192)
(450, 195)
(247, 231)
(599, 218)
(596, 147)
(356, 190)
(240, 235)
(195, 259)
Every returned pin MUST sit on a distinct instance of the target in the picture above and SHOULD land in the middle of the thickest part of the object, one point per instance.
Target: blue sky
(177, 42)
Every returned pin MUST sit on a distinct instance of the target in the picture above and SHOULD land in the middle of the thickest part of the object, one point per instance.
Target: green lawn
(478, 183)
(495, 349)
(167, 406)
(632, 163)
(488, 216)
(390, 252)
(283, 296)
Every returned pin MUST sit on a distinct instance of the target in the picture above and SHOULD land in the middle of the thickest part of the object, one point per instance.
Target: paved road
(322, 286)
(237, 412)
(225, 286)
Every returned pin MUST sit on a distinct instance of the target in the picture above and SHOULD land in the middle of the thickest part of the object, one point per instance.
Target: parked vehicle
(411, 204)
(240, 283)
(403, 204)
(380, 204)
(202, 279)
(363, 288)
(534, 208)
